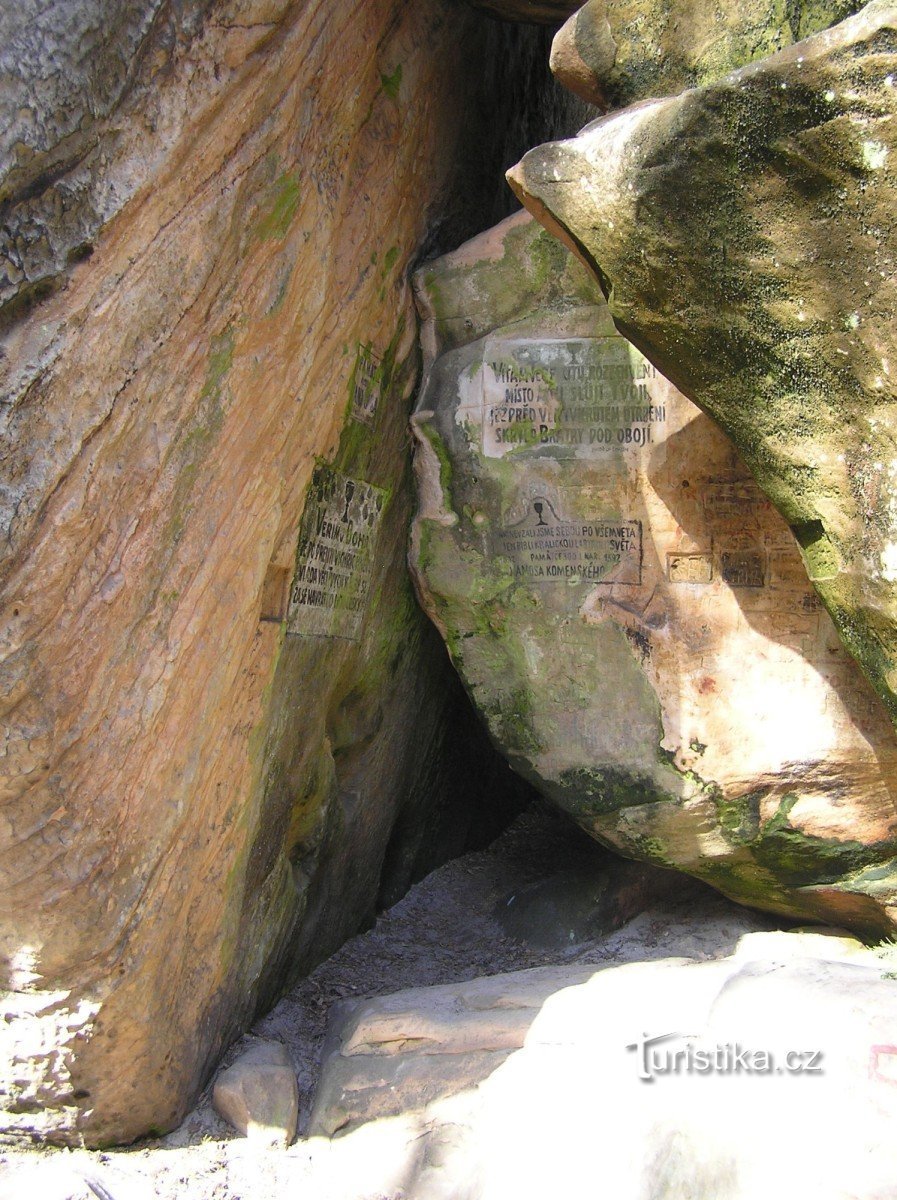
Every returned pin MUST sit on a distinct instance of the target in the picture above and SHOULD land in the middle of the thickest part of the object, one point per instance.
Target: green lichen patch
(598, 791)
(739, 816)
(798, 859)
(221, 359)
(390, 258)
(278, 212)
(392, 83)
(467, 301)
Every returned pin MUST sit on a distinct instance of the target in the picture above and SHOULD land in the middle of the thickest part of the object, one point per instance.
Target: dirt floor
(449, 928)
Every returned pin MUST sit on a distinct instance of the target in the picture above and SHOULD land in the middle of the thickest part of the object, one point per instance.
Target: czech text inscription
(545, 548)
(689, 568)
(333, 562)
(584, 397)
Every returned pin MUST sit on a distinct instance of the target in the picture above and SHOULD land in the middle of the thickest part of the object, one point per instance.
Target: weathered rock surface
(768, 1072)
(744, 233)
(259, 1096)
(628, 611)
(68, 75)
(226, 724)
(612, 52)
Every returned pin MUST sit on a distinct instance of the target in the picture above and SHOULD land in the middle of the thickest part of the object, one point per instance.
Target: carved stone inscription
(689, 568)
(545, 548)
(366, 386)
(579, 398)
(743, 570)
(333, 562)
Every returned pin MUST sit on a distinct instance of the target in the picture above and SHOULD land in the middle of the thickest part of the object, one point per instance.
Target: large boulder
(612, 52)
(228, 731)
(742, 232)
(628, 611)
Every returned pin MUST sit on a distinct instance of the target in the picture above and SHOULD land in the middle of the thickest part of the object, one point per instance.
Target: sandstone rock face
(627, 609)
(226, 724)
(743, 233)
(68, 73)
(612, 52)
(768, 1072)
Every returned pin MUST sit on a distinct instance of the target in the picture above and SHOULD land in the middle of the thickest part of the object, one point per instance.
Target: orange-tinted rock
(200, 798)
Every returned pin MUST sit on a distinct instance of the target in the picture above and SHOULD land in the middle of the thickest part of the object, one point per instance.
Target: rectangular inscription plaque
(547, 549)
(727, 502)
(743, 570)
(689, 568)
(333, 562)
(579, 398)
(366, 386)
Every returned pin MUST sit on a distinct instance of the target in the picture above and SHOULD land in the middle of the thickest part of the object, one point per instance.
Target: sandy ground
(447, 929)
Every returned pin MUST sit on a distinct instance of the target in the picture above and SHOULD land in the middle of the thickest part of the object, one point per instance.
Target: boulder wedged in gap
(628, 611)
(744, 235)
(258, 1094)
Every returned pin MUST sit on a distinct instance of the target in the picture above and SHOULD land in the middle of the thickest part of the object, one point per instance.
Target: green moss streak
(788, 855)
(391, 84)
(191, 450)
(445, 464)
(599, 791)
(221, 359)
(275, 220)
(389, 260)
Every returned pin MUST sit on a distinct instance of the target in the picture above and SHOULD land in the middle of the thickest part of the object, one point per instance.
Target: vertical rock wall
(222, 712)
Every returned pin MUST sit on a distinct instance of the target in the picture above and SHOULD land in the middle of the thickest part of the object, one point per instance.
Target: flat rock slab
(259, 1096)
(628, 611)
(766, 1073)
(399, 1052)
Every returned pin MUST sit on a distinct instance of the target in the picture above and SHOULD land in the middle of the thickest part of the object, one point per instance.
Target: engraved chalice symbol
(350, 492)
(539, 507)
